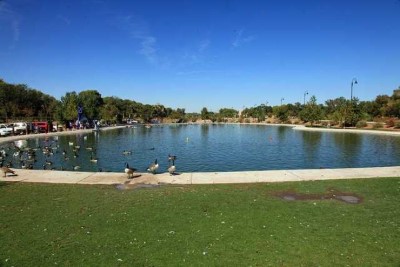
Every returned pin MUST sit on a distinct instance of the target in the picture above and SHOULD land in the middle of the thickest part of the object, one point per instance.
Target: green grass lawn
(202, 225)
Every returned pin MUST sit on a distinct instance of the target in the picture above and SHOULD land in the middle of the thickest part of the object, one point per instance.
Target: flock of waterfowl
(21, 156)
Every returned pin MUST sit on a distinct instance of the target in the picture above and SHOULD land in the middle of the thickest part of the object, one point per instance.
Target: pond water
(212, 148)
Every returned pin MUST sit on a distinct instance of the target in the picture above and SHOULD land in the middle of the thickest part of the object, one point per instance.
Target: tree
(281, 112)
(204, 114)
(69, 104)
(91, 102)
(228, 112)
(312, 112)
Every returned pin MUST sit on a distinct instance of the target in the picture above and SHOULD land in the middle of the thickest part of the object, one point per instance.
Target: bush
(361, 124)
(397, 125)
(377, 125)
(390, 122)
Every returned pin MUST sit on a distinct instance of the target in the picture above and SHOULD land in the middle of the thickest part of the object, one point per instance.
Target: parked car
(5, 130)
(40, 127)
(20, 127)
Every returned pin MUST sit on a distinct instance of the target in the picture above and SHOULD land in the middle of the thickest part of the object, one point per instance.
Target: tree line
(19, 102)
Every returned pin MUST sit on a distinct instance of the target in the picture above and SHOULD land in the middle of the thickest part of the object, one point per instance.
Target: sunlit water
(212, 148)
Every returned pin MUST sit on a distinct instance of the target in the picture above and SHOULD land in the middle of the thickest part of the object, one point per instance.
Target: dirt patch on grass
(331, 194)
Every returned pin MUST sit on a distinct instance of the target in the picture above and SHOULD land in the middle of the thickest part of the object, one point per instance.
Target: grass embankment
(210, 225)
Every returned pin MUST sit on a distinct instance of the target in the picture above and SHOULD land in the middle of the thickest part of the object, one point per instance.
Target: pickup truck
(20, 127)
(5, 130)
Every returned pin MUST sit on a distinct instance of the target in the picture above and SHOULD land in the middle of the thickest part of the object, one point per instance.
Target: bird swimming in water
(171, 157)
(75, 168)
(126, 152)
(129, 171)
(92, 159)
(153, 167)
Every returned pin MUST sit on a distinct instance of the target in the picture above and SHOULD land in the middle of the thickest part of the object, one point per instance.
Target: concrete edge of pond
(109, 178)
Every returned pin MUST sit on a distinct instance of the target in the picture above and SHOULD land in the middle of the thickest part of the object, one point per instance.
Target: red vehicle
(40, 126)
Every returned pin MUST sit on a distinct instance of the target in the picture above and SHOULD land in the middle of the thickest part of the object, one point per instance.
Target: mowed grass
(202, 225)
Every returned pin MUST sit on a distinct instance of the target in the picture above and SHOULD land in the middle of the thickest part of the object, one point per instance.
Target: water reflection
(311, 148)
(349, 148)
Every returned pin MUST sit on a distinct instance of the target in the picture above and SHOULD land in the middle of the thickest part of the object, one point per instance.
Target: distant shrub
(361, 124)
(377, 125)
(247, 120)
(397, 125)
(390, 122)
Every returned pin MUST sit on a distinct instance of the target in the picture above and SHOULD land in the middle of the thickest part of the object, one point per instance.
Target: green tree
(228, 112)
(312, 112)
(91, 102)
(281, 112)
(205, 114)
(69, 104)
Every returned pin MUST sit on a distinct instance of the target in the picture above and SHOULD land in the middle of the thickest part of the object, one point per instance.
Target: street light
(305, 93)
(354, 81)
(282, 100)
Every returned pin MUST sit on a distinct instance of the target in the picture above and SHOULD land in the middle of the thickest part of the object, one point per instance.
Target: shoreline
(295, 127)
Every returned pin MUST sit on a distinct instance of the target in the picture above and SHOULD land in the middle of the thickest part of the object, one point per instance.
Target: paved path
(66, 177)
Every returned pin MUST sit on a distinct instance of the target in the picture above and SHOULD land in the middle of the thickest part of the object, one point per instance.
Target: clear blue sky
(191, 54)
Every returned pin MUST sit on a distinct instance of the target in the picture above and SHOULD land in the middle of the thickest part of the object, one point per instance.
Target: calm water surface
(212, 148)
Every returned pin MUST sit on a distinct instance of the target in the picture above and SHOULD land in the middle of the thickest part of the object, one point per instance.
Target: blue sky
(194, 54)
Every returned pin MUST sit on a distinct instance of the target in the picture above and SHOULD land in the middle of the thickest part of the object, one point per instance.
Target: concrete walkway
(66, 177)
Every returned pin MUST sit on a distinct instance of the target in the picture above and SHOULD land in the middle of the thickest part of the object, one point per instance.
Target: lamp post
(282, 100)
(354, 81)
(305, 93)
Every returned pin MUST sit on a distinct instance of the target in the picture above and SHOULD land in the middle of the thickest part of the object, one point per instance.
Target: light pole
(305, 93)
(282, 100)
(354, 81)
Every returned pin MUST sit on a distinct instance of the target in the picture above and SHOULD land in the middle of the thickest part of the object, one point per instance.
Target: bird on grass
(6, 170)
(153, 167)
(129, 171)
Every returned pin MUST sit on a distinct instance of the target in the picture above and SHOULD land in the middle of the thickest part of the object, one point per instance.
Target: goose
(76, 167)
(172, 168)
(92, 159)
(6, 170)
(171, 157)
(129, 171)
(153, 167)
(126, 152)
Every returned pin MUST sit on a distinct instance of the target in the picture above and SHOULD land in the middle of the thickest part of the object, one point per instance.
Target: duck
(126, 152)
(6, 170)
(129, 171)
(153, 167)
(92, 159)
